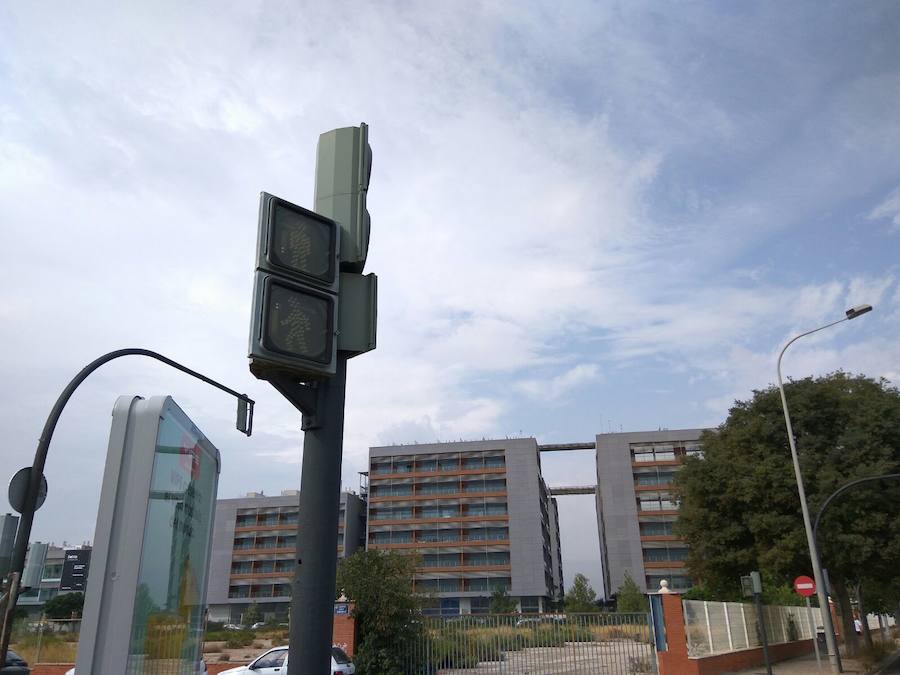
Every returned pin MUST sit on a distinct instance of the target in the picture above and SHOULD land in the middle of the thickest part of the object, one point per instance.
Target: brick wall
(676, 661)
(344, 634)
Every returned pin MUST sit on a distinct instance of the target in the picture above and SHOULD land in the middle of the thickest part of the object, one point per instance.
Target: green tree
(629, 597)
(740, 509)
(581, 597)
(387, 611)
(501, 603)
(252, 614)
(65, 606)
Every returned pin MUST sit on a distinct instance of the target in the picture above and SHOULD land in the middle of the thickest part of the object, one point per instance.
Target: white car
(274, 662)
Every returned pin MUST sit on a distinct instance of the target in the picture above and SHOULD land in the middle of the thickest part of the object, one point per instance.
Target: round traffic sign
(805, 586)
(18, 489)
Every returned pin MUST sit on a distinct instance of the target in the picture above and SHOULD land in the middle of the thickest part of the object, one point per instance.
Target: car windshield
(339, 655)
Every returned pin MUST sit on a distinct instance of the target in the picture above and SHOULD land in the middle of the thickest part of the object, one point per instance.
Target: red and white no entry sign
(805, 586)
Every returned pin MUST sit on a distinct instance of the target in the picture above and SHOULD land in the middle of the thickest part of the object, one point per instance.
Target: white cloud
(559, 198)
(555, 387)
(889, 209)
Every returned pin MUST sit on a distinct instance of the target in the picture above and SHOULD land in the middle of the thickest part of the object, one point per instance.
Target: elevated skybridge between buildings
(560, 447)
(573, 490)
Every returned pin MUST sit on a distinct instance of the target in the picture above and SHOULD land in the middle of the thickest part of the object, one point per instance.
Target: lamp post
(833, 655)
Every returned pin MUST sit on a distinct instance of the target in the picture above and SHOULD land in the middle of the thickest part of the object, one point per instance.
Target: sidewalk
(804, 665)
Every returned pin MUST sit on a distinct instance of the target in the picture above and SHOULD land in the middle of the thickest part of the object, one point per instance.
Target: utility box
(144, 608)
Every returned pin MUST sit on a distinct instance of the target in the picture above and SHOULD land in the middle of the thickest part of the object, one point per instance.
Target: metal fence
(720, 627)
(45, 641)
(539, 644)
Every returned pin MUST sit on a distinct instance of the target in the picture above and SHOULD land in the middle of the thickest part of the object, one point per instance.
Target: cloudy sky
(585, 216)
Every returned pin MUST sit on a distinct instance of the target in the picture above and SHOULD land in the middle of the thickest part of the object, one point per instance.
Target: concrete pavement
(806, 665)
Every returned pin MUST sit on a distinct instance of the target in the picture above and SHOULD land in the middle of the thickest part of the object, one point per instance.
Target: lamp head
(859, 310)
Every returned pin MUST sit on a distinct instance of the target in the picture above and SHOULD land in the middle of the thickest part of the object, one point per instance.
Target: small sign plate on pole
(18, 490)
(805, 586)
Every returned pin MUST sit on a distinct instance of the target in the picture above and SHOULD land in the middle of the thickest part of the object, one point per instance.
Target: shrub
(239, 638)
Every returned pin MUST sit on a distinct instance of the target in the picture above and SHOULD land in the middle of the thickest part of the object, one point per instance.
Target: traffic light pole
(312, 603)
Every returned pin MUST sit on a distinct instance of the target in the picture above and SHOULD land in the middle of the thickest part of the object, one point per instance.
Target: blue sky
(584, 218)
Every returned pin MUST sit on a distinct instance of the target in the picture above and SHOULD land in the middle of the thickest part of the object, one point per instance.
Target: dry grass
(48, 652)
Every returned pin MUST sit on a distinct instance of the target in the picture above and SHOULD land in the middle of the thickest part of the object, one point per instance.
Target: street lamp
(833, 655)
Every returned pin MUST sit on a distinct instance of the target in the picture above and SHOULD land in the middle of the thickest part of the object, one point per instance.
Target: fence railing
(533, 643)
(44, 641)
(720, 627)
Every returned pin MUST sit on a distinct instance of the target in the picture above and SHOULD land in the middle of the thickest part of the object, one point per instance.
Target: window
(273, 659)
(471, 559)
(438, 535)
(440, 560)
(470, 463)
(498, 583)
(426, 465)
(477, 585)
(498, 558)
(530, 605)
(438, 511)
(665, 554)
(449, 464)
(239, 592)
(392, 513)
(241, 568)
(444, 487)
(656, 529)
(494, 462)
(480, 605)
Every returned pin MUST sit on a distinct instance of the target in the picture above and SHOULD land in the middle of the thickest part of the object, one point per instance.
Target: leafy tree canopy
(64, 606)
(501, 603)
(740, 508)
(380, 584)
(252, 615)
(581, 597)
(629, 597)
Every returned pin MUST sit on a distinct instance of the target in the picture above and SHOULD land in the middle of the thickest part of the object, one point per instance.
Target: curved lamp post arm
(809, 332)
(17, 563)
(841, 490)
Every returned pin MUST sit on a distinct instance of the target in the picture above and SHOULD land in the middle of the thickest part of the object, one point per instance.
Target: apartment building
(636, 510)
(9, 524)
(253, 550)
(49, 571)
(477, 514)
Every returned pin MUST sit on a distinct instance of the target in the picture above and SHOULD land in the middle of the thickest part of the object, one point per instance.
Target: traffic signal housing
(295, 295)
(343, 170)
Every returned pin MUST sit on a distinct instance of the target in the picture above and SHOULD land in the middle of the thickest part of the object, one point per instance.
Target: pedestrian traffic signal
(295, 297)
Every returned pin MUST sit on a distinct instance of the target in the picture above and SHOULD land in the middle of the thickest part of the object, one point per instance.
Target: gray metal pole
(312, 603)
(833, 656)
(761, 616)
(815, 633)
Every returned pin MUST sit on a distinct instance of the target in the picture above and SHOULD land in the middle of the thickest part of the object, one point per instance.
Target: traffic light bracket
(304, 396)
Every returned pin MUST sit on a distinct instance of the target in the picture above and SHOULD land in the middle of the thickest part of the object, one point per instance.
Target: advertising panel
(75, 570)
(145, 601)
